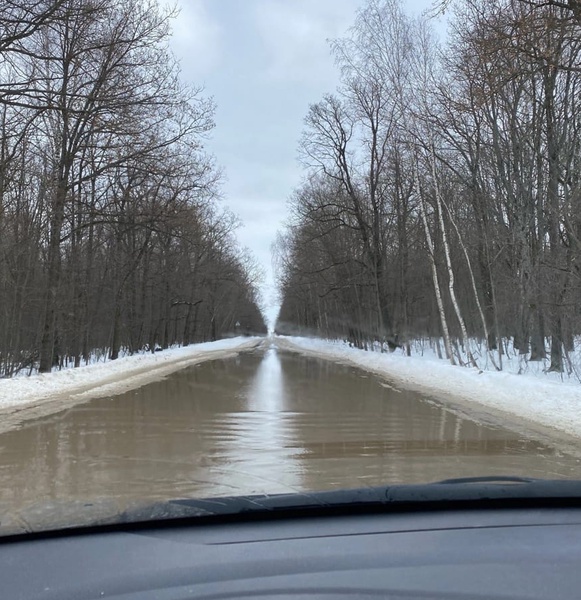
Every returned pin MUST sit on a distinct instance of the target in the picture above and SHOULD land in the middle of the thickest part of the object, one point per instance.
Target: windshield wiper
(490, 479)
(491, 492)
(450, 494)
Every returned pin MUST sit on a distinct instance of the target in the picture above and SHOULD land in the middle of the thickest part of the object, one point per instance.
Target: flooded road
(266, 421)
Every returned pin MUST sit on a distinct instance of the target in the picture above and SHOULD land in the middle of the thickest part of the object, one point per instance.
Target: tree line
(112, 239)
(442, 189)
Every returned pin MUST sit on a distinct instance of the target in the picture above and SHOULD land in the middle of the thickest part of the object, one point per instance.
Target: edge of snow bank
(38, 395)
(545, 407)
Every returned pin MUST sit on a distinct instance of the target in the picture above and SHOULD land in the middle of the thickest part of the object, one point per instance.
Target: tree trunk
(47, 342)
(434, 269)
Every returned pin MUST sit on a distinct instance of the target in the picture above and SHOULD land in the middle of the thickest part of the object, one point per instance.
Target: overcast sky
(264, 62)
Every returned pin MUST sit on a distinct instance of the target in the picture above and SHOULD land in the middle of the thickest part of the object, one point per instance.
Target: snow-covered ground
(532, 396)
(103, 378)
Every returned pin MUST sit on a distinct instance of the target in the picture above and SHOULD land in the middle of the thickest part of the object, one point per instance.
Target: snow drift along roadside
(113, 377)
(552, 404)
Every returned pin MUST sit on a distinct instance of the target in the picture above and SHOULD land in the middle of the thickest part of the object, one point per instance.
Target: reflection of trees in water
(353, 431)
(152, 442)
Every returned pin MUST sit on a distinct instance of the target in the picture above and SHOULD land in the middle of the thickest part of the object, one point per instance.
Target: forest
(441, 196)
(112, 237)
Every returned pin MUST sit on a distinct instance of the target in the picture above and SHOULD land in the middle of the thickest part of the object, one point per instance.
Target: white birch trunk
(451, 281)
(473, 283)
(435, 278)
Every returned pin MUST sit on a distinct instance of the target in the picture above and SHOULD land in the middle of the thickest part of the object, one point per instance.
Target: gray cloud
(295, 37)
(197, 39)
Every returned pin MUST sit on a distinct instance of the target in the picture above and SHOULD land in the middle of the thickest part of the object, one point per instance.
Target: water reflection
(256, 450)
(267, 391)
(262, 422)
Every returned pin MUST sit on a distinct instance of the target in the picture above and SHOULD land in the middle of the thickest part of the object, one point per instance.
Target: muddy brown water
(266, 421)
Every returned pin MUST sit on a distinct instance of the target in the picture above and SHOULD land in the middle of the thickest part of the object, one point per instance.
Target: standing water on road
(263, 422)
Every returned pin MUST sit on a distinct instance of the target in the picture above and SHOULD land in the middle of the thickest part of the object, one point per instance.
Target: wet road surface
(264, 422)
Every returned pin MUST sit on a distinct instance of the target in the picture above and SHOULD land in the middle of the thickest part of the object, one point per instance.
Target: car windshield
(274, 247)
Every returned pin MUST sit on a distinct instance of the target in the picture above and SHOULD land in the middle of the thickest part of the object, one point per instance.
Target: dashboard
(515, 553)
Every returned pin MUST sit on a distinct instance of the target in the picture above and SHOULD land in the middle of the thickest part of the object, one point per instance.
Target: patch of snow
(531, 395)
(102, 378)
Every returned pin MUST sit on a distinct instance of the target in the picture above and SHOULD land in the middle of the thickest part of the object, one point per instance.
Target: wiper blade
(490, 479)
(495, 492)
(461, 493)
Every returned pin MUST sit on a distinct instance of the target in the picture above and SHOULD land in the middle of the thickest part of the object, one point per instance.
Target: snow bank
(113, 376)
(512, 359)
(550, 403)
